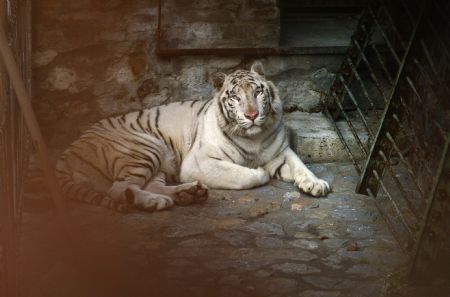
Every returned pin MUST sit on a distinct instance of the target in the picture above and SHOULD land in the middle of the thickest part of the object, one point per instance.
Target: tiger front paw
(262, 175)
(312, 185)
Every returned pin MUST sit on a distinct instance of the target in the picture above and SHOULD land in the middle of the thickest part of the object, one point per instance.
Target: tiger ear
(258, 68)
(218, 79)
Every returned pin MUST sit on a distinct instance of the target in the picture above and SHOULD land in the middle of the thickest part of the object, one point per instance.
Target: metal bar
(341, 137)
(362, 33)
(407, 163)
(408, 12)
(426, 73)
(389, 223)
(424, 144)
(431, 80)
(399, 186)
(33, 126)
(363, 87)
(431, 90)
(385, 37)
(394, 203)
(372, 74)
(383, 66)
(387, 125)
(392, 25)
(438, 38)
(352, 98)
(352, 128)
(422, 102)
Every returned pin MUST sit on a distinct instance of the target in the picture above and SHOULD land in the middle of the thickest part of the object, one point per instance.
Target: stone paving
(270, 241)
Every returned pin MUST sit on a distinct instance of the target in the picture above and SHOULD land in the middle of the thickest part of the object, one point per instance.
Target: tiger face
(248, 103)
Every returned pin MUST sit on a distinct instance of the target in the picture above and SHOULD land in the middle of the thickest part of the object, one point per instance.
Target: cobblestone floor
(270, 241)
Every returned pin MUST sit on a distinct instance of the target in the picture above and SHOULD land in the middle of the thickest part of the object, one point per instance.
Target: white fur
(205, 143)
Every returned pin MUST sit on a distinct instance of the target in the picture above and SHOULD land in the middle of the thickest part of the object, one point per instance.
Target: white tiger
(236, 140)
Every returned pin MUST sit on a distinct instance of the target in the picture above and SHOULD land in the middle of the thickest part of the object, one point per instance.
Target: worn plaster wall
(93, 59)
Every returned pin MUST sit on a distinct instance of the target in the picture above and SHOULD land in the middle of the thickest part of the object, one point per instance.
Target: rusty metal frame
(418, 82)
(364, 54)
(404, 170)
(238, 51)
(13, 144)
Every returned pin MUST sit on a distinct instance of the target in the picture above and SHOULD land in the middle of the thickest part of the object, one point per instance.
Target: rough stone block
(315, 139)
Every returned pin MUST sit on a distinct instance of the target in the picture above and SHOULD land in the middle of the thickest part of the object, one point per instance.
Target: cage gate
(396, 72)
(15, 17)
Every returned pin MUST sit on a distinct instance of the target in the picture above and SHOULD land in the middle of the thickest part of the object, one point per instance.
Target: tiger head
(248, 103)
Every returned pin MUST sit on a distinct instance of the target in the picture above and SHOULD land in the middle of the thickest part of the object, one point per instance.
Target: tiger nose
(251, 115)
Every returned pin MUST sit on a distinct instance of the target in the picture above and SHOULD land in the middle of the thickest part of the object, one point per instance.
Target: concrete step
(314, 138)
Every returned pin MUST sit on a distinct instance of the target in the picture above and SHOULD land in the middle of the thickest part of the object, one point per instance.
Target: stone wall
(94, 59)
(220, 23)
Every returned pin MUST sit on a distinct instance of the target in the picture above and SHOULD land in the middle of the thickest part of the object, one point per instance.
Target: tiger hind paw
(191, 193)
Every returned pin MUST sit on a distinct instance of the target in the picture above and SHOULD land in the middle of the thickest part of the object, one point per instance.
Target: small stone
(352, 246)
(312, 293)
(361, 230)
(304, 204)
(305, 235)
(283, 254)
(269, 242)
(235, 238)
(228, 222)
(305, 244)
(352, 255)
(327, 283)
(231, 280)
(365, 270)
(280, 285)
(333, 261)
(258, 211)
(296, 268)
(181, 263)
(265, 228)
(186, 230)
(186, 252)
(334, 243)
(263, 273)
(246, 199)
(288, 197)
(196, 242)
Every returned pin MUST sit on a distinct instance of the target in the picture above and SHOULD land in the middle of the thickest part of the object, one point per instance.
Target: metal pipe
(8, 60)
(383, 66)
(392, 25)
(386, 39)
(355, 103)
(393, 202)
(399, 185)
(388, 223)
(352, 129)
(363, 87)
(341, 137)
(407, 163)
(372, 74)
